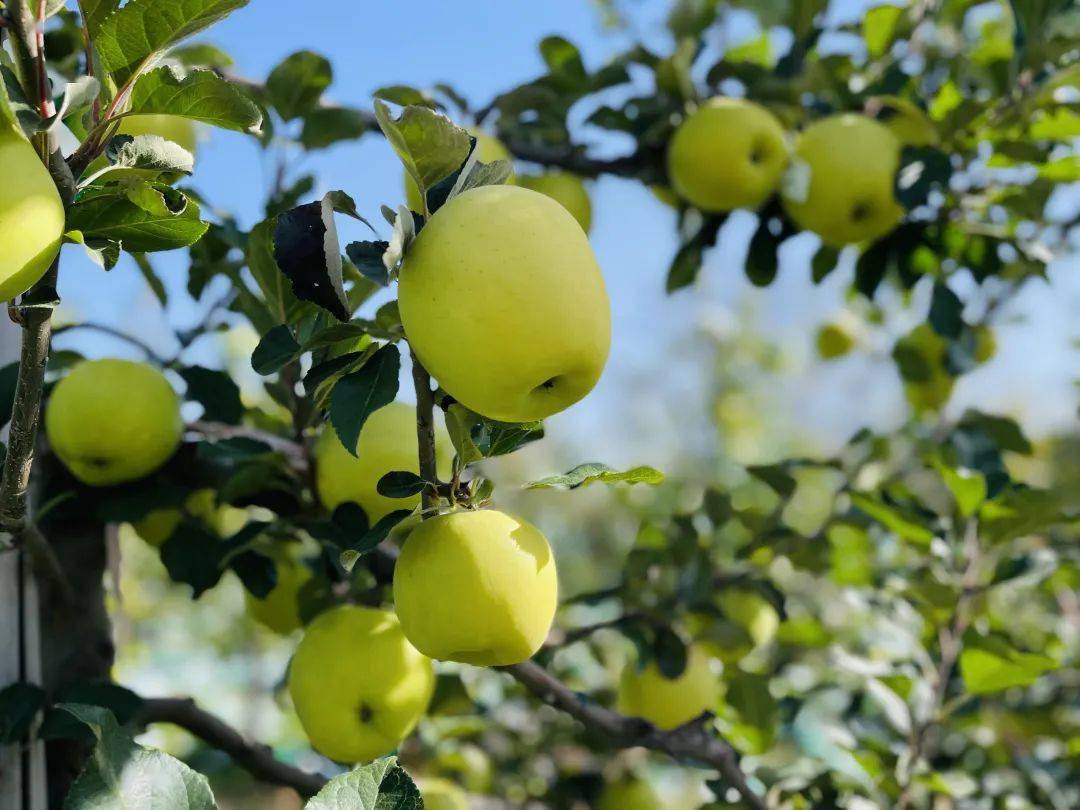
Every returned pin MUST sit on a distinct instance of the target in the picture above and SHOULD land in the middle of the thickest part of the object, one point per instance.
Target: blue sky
(649, 406)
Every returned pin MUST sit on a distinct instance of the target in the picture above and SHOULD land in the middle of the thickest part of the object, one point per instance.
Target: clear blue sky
(651, 391)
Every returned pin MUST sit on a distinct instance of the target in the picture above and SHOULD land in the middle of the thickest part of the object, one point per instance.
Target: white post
(22, 771)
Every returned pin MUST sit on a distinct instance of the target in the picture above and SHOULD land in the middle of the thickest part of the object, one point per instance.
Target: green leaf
(325, 126)
(123, 774)
(358, 395)
(108, 214)
(276, 349)
(585, 474)
(429, 145)
(216, 392)
(879, 27)
(276, 292)
(368, 258)
(824, 262)
(130, 37)
(563, 59)
(990, 664)
(755, 710)
(201, 95)
(143, 157)
(968, 488)
(297, 83)
(380, 785)
(892, 519)
(94, 12)
(19, 704)
(307, 251)
(400, 484)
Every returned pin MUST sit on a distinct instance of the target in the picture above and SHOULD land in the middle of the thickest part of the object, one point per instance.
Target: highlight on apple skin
(112, 421)
(31, 217)
(503, 302)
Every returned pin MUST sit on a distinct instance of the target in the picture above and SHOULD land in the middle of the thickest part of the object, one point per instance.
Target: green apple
(387, 443)
(665, 195)
(477, 587)
(175, 128)
(442, 794)
(113, 421)
(629, 794)
(752, 612)
(840, 183)
(489, 149)
(157, 526)
(905, 119)
(31, 217)
(279, 610)
(503, 301)
(357, 684)
(667, 702)
(566, 189)
(729, 153)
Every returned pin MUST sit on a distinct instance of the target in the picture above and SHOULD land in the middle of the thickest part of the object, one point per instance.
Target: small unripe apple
(279, 610)
(357, 684)
(31, 217)
(752, 612)
(157, 526)
(566, 189)
(387, 443)
(477, 587)
(442, 794)
(113, 421)
(729, 153)
(840, 183)
(629, 794)
(502, 300)
(666, 702)
(489, 149)
(175, 128)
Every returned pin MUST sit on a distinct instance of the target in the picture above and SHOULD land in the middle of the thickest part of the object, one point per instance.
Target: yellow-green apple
(729, 153)
(31, 216)
(387, 443)
(357, 684)
(477, 587)
(175, 128)
(442, 794)
(157, 526)
(670, 702)
(752, 612)
(503, 301)
(629, 794)
(279, 610)
(112, 421)
(566, 189)
(488, 150)
(840, 182)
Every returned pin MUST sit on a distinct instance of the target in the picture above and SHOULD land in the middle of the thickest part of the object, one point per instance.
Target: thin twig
(104, 329)
(692, 742)
(255, 758)
(292, 450)
(950, 644)
(425, 434)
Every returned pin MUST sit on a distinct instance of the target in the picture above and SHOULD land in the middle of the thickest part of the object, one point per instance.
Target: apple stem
(425, 436)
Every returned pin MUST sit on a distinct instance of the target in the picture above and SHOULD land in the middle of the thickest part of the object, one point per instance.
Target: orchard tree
(893, 625)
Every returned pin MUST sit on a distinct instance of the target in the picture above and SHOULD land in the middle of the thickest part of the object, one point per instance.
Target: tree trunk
(54, 629)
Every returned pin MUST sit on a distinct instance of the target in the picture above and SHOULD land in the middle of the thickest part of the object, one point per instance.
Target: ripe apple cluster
(836, 179)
